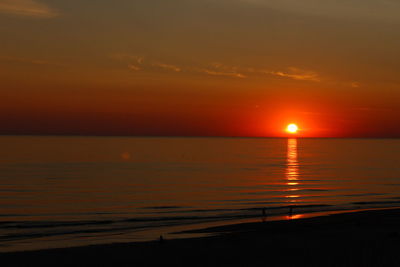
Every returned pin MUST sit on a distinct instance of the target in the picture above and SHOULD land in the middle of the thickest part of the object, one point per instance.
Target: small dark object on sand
(264, 215)
(161, 239)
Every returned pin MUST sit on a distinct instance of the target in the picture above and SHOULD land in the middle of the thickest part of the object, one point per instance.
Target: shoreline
(193, 229)
(358, 238)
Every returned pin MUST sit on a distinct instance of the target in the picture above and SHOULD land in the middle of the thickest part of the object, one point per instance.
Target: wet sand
(367, 238)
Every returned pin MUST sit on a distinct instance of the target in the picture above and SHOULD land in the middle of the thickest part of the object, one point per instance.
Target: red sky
(200, 68)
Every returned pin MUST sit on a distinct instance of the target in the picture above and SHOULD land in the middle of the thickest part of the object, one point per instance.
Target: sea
(58, 191)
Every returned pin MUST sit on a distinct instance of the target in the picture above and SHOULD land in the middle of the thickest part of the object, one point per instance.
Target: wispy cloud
(218, 69)
(167, 67)
(219, 73)
(134, 67)
(29, 8)
(240, 72)
(297, 74)
(140, 63)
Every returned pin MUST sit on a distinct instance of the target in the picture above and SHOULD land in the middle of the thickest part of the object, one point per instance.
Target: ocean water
(72, 191)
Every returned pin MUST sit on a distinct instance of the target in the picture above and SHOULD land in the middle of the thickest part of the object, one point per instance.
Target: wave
(29, 231)
(376, 202)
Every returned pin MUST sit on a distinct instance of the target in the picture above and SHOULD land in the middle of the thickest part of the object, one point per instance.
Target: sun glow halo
(292, 128)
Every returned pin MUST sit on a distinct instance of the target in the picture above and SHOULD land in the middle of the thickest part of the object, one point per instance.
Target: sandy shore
(367, 238)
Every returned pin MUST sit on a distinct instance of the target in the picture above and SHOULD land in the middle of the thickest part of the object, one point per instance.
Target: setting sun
(292, 128)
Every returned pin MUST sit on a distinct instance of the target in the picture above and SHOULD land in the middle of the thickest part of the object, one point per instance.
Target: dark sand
(368, 238)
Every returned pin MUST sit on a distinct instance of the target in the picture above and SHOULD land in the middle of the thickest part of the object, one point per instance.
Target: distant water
(69, 191)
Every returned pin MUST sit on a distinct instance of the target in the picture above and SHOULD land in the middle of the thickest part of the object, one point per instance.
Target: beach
(363, 238)
(199, 133)
(90, 195)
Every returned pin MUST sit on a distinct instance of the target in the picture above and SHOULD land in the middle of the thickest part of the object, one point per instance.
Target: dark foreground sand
(369, 238)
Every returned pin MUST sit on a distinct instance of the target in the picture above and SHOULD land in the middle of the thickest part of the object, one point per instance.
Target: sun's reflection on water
(295, 216)
(292, 170)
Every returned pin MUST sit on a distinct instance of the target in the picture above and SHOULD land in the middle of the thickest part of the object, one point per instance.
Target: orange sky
(200, 68)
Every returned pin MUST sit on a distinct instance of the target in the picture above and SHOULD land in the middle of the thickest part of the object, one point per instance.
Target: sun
(292, 128)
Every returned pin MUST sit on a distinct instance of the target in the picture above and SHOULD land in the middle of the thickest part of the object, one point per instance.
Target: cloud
(218, 73)
(137, 63)
(167, 67)
(140, 63)
(28, 8)
(218, 69)
(297, 74)
(134, 67)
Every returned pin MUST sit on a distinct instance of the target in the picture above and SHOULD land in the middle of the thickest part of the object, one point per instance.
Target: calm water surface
(68, 191)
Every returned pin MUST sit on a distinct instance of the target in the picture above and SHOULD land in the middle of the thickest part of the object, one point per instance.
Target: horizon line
(201, 136)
